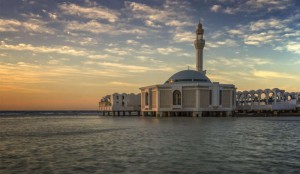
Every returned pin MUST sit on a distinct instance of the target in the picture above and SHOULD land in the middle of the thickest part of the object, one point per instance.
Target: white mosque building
(189, 92)
(120, 104)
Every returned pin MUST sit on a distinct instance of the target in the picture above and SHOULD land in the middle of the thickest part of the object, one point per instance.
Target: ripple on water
(149, 145)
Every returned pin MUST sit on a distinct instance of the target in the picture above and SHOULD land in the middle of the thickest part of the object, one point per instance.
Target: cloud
(185, 54)
(152, 24)
(134, 30)
(215, 8)
(133, 42)
(91, 26)
(266, 24)
(168, 50)
(120, 67)
(273, 31)
(52, 16)
(293, 47)
(177, 23)
(90, 3)
(250, 6)
(172, 13)
(226, 43)
(43, 49)
(269, 4)
(95, 13)
(217, 34)
(235, 32)
(9, 25)
(82, 40)
(119, 51)
(13, 75)
(54, 62)
(116, 83)
(258, 39)
(182, 36)
(250, 62)
(31, 25)
(149, 59)
(273, 74)
(129, 68)
(3, 55)
(56, 49)
(229, 10)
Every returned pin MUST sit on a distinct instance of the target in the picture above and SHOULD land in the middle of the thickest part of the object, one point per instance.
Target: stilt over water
(119, 113)
(186, 114)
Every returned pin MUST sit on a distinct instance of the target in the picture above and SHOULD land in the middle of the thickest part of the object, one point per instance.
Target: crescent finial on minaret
(199, 25)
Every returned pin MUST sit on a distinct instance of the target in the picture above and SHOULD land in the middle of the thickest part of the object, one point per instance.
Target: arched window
(146, 98)
(176, 97)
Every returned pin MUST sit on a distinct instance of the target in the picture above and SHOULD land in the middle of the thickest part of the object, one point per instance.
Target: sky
(66, 55)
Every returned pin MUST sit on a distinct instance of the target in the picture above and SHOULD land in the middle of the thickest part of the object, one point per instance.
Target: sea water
(99, 144)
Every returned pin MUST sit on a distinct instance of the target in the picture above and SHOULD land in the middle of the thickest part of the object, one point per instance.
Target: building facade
(120, 102)
(189, 92)
(267, 100)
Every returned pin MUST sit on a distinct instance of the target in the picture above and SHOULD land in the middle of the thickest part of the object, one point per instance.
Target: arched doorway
(263, 98)
(176, 97)
(146, 98)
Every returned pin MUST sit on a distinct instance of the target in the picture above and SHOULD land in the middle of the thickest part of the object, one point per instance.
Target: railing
(273, 106)
(105, 108)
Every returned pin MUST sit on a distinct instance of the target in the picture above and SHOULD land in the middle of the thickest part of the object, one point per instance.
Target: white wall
(124, 102)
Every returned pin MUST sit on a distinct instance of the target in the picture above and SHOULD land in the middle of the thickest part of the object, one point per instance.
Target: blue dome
(188, 76)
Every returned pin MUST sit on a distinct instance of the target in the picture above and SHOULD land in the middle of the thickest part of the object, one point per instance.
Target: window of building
(210, 97)
(183, 80)
(176, 97)
(200, 80)
(117, 97)
(146, 98)
(123, 104)
(220, 101)
(122, 97)
(233, 98)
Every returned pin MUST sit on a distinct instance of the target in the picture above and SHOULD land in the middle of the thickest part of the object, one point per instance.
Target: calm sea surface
(92, 144)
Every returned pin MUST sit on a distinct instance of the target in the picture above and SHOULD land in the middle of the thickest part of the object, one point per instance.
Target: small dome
(188, 76)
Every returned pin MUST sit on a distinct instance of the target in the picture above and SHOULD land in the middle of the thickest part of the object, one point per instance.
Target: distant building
(189, 92)
(120, 102)
(267, 100)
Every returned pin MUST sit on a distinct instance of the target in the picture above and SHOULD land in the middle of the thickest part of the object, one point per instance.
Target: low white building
(189, 92)
(267, 100)
(120, 102)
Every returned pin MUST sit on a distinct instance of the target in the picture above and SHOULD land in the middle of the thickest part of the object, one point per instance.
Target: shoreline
(97, 113)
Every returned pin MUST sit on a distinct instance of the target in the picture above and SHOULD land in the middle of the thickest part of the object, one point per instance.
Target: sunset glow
(58, 55)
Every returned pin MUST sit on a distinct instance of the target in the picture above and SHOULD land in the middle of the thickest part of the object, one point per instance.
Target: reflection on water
(91, 144)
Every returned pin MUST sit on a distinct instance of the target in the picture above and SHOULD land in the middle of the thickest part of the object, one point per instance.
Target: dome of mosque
(188, 76)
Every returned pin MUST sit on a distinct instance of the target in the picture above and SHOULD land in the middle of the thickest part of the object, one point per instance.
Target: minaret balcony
(199, 44)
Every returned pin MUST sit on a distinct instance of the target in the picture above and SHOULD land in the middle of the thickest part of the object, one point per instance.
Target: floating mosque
(192, 93)
(189, 92)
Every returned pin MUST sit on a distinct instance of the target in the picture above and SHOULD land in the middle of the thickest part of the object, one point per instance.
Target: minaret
(199, 45)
